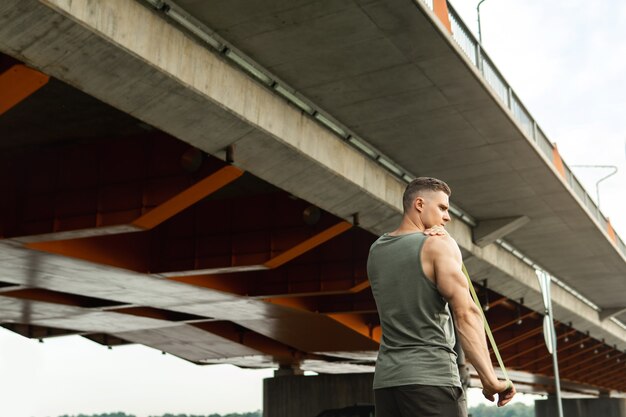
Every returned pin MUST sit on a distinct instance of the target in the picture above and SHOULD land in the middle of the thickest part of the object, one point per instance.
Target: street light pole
(601, 179)
(545, 282)
(480, 36)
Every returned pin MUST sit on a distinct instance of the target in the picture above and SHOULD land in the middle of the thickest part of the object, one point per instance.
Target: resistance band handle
(509, 384)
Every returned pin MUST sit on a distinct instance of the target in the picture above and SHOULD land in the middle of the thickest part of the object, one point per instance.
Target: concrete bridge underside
(200, 213)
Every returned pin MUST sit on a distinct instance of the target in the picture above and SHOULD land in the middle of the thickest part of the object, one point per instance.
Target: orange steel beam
(308, 244)
(306, 304)
(206, 278)
(132, 252)
(220, 282)
(358, 323)
(233, 283)
(360, 287)
(329, 304)
(560, 350)
(187, 198)
(108, 200)
(572, 356)
(17, 83)
(355, 289)
(322, 293)
(515, 320)
(538, 346)
(499, 301)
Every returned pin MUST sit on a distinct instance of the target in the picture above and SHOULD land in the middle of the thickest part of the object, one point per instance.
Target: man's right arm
(453, 286)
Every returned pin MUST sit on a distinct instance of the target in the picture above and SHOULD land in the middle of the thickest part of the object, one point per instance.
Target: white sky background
(71, 375)
(565, 59)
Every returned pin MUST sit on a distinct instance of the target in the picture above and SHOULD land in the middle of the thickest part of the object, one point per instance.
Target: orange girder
(308, 244)
(190, 196)
(17, 83)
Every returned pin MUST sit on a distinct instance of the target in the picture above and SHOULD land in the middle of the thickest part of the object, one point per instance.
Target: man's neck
(408, 225)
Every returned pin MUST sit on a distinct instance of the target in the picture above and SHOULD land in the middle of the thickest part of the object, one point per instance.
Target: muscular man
(415, 280)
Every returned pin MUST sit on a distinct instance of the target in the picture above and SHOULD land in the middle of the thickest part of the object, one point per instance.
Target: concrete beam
(168, 79)
(607, 313)
(488, 231)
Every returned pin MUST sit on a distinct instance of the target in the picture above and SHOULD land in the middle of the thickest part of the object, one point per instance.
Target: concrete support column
(307, 396)
(582, 407)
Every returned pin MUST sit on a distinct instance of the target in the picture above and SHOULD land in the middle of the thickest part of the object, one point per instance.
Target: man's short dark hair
(422, 184)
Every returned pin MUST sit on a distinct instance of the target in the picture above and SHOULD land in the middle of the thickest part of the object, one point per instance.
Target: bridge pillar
(307, 396)
(582, 407)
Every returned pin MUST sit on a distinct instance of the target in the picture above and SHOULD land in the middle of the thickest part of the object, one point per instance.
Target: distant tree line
(510, 410)
(257, 413)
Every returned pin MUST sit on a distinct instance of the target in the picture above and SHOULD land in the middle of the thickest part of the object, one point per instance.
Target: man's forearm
(472, 336)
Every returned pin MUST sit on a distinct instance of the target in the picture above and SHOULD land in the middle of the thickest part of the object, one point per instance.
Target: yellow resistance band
(488, 330)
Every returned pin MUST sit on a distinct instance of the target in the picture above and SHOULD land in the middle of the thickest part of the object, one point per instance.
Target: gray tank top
(417, 344)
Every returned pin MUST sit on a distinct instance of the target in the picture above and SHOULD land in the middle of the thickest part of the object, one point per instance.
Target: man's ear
(418, 203)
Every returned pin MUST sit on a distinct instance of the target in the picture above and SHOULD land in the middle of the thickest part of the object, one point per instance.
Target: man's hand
(435, 231)
(504, 389)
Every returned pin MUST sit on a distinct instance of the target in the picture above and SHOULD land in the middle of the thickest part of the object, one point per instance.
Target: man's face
(433, 208)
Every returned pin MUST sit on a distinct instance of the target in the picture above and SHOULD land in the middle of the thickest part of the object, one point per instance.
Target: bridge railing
(477, 56)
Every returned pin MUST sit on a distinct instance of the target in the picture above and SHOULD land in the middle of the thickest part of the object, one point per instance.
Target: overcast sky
(565, 59)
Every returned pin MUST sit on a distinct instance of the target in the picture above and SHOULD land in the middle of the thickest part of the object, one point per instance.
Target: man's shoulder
(441, 245)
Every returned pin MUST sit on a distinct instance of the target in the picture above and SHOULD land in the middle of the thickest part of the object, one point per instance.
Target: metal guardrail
(477, 56)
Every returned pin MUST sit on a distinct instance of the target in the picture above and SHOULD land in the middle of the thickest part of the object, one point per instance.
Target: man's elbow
(467, 314)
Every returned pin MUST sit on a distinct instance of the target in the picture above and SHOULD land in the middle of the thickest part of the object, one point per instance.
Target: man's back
(413, 280)
(417, 331)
